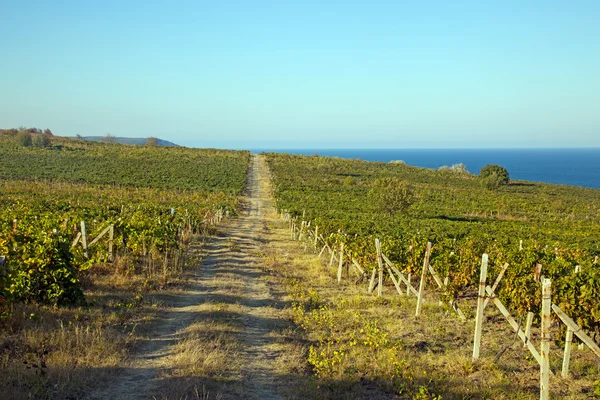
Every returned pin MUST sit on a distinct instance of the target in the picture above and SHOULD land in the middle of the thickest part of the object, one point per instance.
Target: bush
(42, 141)
(392, 195)
(40, 270)
(493, 176)
(24, 138)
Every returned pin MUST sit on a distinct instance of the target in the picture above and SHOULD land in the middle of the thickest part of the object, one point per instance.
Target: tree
(493, 176)
(392, 195)
(24, 138)
(48, 132)
(42, 141)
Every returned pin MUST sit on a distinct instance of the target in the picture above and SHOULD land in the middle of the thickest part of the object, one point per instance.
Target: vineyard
(96, 226)
(531, 231)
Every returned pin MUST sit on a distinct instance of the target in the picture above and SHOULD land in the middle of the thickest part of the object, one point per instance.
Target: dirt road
(219, 334)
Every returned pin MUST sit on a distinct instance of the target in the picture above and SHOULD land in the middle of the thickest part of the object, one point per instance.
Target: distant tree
(42, 141)
(24, 138)
(392, 195)
(78, 136)
(152, 141)
(108, 138)
(48, 132)
(22, 128)
(493, 176)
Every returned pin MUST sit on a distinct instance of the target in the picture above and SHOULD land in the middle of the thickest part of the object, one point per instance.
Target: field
(160, 203)
(196, 290)
(463, 219)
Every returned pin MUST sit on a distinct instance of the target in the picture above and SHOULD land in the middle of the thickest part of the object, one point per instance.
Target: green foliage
(493, 176)
(178, 168)
(40, 269)
(392, 195)
(24, 138)
(463, 220)
(151, 215)
(42, 141)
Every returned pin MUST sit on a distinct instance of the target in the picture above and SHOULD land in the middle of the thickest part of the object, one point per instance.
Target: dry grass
(53, 353)
(420, 358)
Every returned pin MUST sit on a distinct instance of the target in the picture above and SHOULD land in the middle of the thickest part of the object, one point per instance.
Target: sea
(567, 166)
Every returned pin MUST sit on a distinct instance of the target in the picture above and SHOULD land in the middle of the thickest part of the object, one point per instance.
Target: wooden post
(596, 260)
(589, 342)
(316, 236)
(332, 257)
(521, 244)
(380, 264)
(341, 263)
(545, 345)
(528, 323)
(422, 283)
(111, 235)
(480, 307)
(84, 239)
(567, 354)
(14, 224)
(408, 278)
(496, 283)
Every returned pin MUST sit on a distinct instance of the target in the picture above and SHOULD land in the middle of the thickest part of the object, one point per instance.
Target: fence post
(422, 283)
(316, 236)
(545, 345)
(341, 263)
(409, 276)
(14, 224)
(528, 323)
(380, 264)
(111, 235)
(84, 239)
(480, 307)
(567, 355)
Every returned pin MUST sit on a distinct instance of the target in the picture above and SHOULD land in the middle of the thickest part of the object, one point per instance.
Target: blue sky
(282, 74)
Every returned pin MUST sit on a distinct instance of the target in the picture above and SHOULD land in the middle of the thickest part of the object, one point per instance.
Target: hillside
(131, 141)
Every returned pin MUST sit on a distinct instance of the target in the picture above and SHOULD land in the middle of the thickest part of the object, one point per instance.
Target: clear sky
(277, 74)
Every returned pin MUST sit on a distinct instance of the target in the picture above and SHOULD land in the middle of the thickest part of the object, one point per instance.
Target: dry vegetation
(359, 346)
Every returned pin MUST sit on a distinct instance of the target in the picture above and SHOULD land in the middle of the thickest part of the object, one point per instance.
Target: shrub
(24, 138)
(493, 176)
(42, 141)
(392, 195)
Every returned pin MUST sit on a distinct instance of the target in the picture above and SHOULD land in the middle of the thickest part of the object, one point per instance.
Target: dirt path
(230, 301)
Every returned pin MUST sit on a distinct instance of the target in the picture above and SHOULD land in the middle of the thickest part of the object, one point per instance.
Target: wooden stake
(332, 258)
(84, 239)
(14, 224)
(408, 285)
(316, 236)
(521, 244)
(589, 342)
(111, 236)
(514, 325)
(422, 283)
(380, 264)
(480, 307)
(341, 263)
(528, 323)
(496, 283)
(567, 354)
(545, 345)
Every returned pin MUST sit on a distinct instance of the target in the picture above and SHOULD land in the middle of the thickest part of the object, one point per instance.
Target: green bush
(40, 269)
(493, 176)
(24, 138)
(392, 195)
